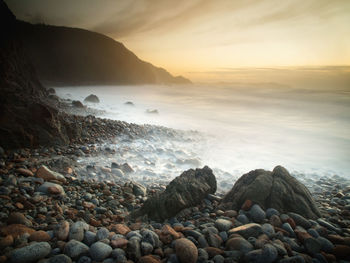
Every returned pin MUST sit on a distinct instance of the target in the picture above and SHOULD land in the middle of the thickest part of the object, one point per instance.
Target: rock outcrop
(276, 189)
(186, 190)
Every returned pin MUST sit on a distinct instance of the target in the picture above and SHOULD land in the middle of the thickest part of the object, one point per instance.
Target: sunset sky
(205, 36)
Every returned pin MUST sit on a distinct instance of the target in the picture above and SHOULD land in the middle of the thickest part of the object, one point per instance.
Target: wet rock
(133, 249)
(312, 246)
(300, 220)
(51, 188)
(186, 251)
(61, 258)
(40, 236)
(77, 104)
(139, 190)
(276, 189)
(99, 251)
(257, 214)
(102, 233)
(19, 218)
(223, 224)
(31, 253)
(92, 98)
(186, 190)
(121, 229)
(15, 230)
(149, 259)
(63, 231)
(48, 175)
(248, 230)
(24, 172)
(75, 249)
(240, 244)
(77, 230)
(155, 111)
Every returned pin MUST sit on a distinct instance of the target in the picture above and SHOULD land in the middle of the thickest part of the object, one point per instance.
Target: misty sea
(238, 128)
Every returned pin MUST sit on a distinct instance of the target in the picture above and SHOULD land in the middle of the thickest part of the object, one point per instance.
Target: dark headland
(55, 210)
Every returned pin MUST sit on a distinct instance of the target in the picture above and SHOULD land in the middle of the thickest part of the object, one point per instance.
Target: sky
(203, 38)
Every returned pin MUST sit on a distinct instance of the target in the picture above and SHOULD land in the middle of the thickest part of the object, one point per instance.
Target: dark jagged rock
(276, 189)
(186, 190)
(77, 104)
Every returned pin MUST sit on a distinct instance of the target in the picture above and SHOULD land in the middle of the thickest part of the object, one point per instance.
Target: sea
(231, 127)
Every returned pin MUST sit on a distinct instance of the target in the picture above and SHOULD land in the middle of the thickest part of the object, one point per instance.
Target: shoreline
(100, 211)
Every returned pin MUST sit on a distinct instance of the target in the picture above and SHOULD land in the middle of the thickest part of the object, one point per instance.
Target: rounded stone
(186, 251)
(40, 236)
(99, 251)
(74, 249)
(61, 258)
(102, 233)
(257, 214)
(239, 243)
(31, 253)
(223, 224)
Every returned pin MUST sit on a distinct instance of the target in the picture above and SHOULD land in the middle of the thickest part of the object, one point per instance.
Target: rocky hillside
(72, 56)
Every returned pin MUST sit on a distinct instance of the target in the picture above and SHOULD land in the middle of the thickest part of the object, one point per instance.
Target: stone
(146, 248)
(119, 243)
(341, 251)
(326, 245)
(294, 259)
(77, 104)
(212, 251)
(40, 236)
(223, 224)
(92, 98)
(63, 231)
(77, 230)
(31, 253)
(268, 229)
(99, 251)
(257, 214)
(61, 258)
(102, 233)
(269, 253)
(48, 188)
(121, 229)
(15, 230)
(133, 249)
(19, 218)
(6, 241)
(239, 243)
(150, 237)
(275, 221)
(248, 230)
(186, 190)
(271, 211)
(84, 259)
(139, 190)
(312, 245)
(300, 220)
(48, 175)
(75, 249)
(149, 259)
(276, 189)
(186, 251)
(89, 238)
(24, 172)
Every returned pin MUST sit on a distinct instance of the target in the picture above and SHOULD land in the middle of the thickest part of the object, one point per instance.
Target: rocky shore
(49, 215)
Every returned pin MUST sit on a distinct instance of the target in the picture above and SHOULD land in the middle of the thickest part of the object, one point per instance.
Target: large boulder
(92, 98)
(186, 190)
(276, 189)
